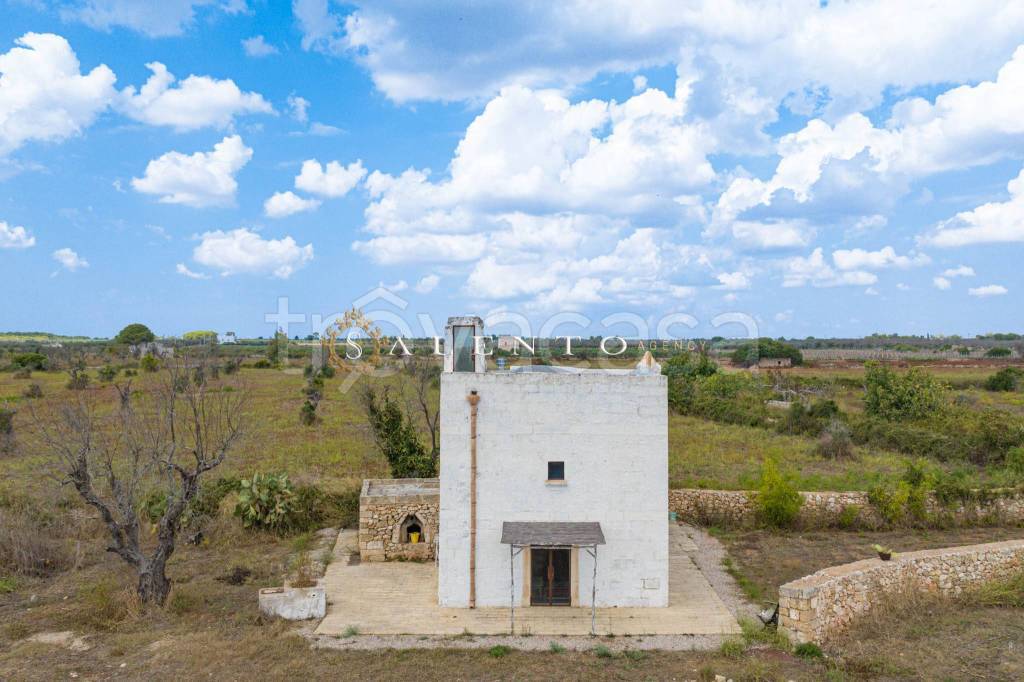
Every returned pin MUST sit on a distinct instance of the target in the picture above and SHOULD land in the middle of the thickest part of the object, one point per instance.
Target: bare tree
(166, 437)
(424, 374)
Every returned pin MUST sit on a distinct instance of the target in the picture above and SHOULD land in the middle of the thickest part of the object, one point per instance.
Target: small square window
(556, 471)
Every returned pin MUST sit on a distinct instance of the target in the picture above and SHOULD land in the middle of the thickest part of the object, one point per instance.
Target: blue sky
(826, 170)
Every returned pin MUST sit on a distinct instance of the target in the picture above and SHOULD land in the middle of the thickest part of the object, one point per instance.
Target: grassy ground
(211, 629)
(338, 452)
(767, 559)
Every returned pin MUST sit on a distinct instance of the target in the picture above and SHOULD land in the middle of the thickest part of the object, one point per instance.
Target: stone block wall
(736, 509)
(818, 606)
(384, 505)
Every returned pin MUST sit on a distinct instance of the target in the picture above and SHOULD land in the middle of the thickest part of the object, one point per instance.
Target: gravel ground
(708, 558)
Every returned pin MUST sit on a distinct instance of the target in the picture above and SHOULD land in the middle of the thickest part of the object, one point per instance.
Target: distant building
(507, 343)
(227, 337)
(771, 363)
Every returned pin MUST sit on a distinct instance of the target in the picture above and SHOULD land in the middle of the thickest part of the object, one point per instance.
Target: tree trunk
(153, 584)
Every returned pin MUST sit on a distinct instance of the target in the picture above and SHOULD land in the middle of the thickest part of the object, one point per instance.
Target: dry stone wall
(736, 508)
(818, 606)
(381, 518)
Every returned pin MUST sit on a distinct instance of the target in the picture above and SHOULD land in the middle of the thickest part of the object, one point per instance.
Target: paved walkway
(390, 598)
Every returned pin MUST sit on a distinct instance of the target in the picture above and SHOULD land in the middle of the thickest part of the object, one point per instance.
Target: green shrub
(748, 354)
(263, 363)
(1015, 461)
(689, 365)
(77, 378)
(30, 361)
(808, 650)
(732, 648)
(912, 395)
(265, 501)
(7, 421)
(33, 391)
(1006, 379)
(556, 648)
(800, 419)
(499, 651)
(890, 500)
(396, 436)
(998, 352)
(149, 363)
(778, 502)
(601, 651)
(107, 373)
(848, 517)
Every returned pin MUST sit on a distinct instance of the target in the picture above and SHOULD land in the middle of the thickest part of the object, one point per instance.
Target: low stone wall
(816, 607)
(384, 504)
(736, 509)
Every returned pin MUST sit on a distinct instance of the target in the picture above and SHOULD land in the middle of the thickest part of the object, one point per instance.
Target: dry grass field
(211, 628)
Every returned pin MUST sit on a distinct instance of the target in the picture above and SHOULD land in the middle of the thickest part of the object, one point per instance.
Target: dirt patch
(66, 639)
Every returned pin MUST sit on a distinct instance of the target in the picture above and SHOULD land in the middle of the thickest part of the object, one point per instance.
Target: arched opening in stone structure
(411, 530)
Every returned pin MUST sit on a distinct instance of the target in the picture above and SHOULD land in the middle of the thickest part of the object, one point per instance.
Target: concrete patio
(393, 598)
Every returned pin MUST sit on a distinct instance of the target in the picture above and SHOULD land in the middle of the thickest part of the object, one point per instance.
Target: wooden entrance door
(550, 577)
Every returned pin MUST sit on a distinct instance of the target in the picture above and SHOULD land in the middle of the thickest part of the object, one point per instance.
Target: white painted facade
(610, 429)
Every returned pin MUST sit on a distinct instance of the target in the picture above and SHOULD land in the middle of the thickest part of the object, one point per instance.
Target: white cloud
(155, 19)
(201, 179)
(44, 95)
(242, 251)
(844, 53)
(639, 83)
(886, 257)
(427, 284)
(15, 237)
(959, 271)
(799, 271)
(733, 280)
(988, 290)
(195, 102)
(400, 285)
(323, 130)
(422, 248)
(283, 204)
(774, 234)
(182, 269)
(941, 283)
(258, 47)
(69, 259)
(298, 108)
(332, 180)
(991, 223)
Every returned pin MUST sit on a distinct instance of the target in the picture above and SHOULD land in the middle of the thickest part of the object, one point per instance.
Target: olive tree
(165, 437)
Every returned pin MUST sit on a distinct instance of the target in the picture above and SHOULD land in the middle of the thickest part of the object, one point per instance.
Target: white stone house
(553, 482)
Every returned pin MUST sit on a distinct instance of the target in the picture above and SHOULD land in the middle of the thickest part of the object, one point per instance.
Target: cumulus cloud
(886, 257)
(243, 251)
(43, 93)
(183, 270)
(991, 223)
(283, 204)
(154, 19)
(814, 270)
(257, 46)
(427, 284)
(959, 271)
(70, 260)
(15, 237)
(195, 102)
(845, 53)
(200, 179)
(941, 283)
(988, 290)
(332, 180)
(733, 280)
(298, 108)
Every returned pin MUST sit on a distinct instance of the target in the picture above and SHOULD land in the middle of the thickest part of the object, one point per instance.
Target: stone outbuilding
(398, 519)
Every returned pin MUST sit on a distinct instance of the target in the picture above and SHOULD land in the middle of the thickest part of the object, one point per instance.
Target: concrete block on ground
(293, 603)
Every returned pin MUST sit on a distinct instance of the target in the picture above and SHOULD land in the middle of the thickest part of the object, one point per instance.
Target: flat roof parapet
(384, 490)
